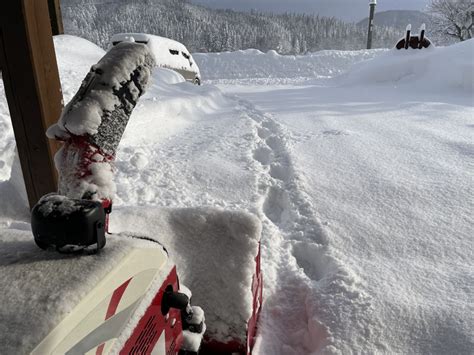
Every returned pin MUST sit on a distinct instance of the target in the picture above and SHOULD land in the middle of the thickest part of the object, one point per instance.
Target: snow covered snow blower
(414, 42)
(91, 128)
(127, 297)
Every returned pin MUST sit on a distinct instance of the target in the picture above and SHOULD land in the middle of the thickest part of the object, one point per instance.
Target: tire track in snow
(306, 275)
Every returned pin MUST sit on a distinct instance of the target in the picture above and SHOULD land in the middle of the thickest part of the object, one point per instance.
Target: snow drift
(270, 66)
(431, 69)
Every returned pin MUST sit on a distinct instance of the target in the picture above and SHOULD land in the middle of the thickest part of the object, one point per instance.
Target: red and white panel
(98, 320)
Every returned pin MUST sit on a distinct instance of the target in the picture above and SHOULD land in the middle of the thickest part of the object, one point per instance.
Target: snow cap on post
(373, 2)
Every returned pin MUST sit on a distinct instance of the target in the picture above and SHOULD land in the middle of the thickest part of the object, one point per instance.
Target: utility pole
(372, 4)
(33, 90)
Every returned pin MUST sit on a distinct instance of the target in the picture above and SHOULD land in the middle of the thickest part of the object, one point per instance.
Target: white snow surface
(425, 70)
(248, 65)
(363, 183)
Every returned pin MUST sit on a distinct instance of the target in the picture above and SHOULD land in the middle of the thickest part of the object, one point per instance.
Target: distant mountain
(347, 10)
(398, 19)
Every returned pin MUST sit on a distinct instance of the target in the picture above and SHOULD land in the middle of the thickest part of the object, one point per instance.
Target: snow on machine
(125, 298)
(414, 42)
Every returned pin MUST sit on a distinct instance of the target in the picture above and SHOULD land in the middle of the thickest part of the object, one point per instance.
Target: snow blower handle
(69, 225)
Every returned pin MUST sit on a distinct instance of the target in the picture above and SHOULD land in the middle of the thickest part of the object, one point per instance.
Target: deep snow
(383, 155)
(363, 183)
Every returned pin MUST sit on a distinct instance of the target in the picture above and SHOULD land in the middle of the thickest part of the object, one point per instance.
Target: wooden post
(56, 17)
(33, 89)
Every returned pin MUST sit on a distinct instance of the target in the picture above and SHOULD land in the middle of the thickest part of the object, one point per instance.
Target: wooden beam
(33, 90)
(56, 17)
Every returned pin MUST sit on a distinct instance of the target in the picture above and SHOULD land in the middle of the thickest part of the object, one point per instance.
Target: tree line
(208, 30)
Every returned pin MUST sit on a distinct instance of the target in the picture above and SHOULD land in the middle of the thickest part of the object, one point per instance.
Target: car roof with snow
(168, 53)
(146, 38)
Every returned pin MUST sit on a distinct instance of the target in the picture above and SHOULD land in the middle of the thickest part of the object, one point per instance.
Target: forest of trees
(205, 30)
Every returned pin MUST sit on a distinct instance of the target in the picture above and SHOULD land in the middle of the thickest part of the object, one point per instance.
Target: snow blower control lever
(178, 300)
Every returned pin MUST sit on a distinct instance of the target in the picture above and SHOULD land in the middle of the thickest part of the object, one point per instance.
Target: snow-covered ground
(360, 166)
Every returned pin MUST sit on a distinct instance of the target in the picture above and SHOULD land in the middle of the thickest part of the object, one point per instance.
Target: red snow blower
(139, 306)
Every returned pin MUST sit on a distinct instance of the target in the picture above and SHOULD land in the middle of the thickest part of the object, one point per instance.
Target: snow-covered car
(168, 53)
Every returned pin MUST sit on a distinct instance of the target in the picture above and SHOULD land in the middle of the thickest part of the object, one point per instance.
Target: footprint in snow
(312, 259)
(139, 161)
(280, 172)
(277, 205)
(263, 155)
(263, 132)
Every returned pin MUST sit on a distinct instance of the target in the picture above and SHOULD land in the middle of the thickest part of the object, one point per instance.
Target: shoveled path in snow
(296, 253)
(390, 179)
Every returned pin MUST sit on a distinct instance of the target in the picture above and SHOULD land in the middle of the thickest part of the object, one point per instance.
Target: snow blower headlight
(58, 221)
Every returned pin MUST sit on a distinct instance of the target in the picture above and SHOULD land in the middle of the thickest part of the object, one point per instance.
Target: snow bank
(167, 109)
(214, 251)
(75, 56)
(431, 69)
(167, 76)
(252, 63)
(13, 198)
(7, 141)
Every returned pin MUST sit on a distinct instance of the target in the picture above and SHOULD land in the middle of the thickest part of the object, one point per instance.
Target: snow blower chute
(414, 42)
(135, 304)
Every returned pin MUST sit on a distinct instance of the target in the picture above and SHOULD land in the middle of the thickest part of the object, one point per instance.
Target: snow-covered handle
(92, 124)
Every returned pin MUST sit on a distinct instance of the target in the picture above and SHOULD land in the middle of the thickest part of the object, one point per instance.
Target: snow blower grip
(58, 221)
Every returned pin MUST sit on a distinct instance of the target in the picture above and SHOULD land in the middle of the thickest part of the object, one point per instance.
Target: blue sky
(350, 10)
